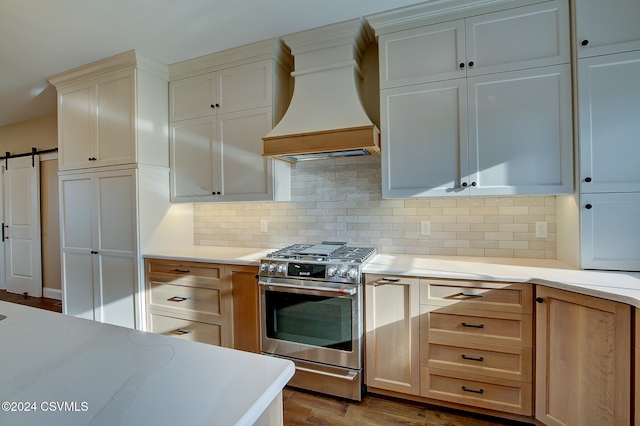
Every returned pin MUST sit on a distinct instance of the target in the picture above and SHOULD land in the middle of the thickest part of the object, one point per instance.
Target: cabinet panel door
(424, 140)
(75, 126)
(192, 97)
(583, 348)
(609, 27)
(421, 55)
(520, 132)
(116, 117)
(244, 87)
(115, 192)
(244, 174)
(392, 334)
(115, 289)
(77, 283)
(609, 108)
(524, 37)
(610, 230)
(193, 157)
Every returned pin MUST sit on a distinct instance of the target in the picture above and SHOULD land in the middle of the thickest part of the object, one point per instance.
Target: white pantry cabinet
(218, 119)
(112, 112)
(524, 37)
(505, 133)
(604, 27)
(609, 126)
(502, 127)
(99, 245)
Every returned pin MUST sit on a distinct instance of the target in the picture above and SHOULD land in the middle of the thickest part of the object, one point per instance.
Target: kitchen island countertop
(71, 371)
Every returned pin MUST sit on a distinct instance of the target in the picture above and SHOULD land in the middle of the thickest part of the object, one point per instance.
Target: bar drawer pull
(182, 332)
(469, 358)
(466, 389)
(182, 271)
(391, 280)
(472, 295)
(177, 299)
(464, 324)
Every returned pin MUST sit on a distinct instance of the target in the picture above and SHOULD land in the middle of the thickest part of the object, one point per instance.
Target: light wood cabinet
(603, 28)
(476, 341)
(501, 126)
(218, 119)
(392, 333)
(583, 348)
(518, 38)
(204, 302)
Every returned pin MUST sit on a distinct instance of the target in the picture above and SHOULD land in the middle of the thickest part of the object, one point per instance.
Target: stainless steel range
(311, 310)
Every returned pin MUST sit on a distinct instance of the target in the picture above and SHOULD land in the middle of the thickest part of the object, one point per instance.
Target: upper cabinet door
(76, 117)
(524, 37)
(116, 117)
(192, 97)
(605, 26)
(421, 55)
(244, 87)
(609, 111)
(424, 140)
(520, 132)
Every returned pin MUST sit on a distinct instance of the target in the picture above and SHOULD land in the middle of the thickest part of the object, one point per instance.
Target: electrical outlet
(541, 229)
(425, 227)
(264, 225)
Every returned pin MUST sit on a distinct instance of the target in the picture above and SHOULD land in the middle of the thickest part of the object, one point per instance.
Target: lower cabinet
(583, 365)
(197, 301)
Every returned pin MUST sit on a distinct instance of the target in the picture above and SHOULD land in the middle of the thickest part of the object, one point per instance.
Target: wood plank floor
(308, 408)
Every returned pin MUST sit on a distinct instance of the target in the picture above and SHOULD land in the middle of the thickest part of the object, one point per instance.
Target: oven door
(312, 321)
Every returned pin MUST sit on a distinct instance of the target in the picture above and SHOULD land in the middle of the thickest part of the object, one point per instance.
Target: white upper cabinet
(605, 26)
(609, 112)
(524, 37)
(228, 90)
(113, 112)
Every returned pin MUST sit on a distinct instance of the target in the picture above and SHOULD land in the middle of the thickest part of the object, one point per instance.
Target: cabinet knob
(539, 299)
(585, 42)
(471, 63)
(473, 184)
(215, 193)
(587, 179)
(588, 206)
(465, 184)
(461, 64)
(217, 105)
(213, 106)
(94, 252)
(92, 158)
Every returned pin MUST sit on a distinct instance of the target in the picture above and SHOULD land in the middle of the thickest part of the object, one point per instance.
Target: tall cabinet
(475, 100)
(221, 105)
(608, 110)
(114, 184)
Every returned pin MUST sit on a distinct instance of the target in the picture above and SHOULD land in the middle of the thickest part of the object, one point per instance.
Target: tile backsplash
(340, 199)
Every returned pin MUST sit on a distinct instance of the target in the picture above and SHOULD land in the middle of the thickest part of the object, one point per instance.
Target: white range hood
(326, 117)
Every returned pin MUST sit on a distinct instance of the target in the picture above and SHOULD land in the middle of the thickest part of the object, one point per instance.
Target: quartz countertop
(617, 286)
(108, 375)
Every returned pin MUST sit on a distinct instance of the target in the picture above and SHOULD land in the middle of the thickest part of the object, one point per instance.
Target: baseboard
(52, 293)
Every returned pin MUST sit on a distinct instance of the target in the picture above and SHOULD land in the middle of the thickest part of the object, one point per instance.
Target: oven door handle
(340, 291)
(350, 376)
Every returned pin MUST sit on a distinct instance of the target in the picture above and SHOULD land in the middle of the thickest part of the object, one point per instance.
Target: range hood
(326, 117)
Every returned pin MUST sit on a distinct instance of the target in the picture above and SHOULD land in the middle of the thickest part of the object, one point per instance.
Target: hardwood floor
(308, 408)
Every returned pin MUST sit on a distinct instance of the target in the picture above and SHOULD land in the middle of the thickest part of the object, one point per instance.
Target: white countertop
(112, 375)
(617, 286)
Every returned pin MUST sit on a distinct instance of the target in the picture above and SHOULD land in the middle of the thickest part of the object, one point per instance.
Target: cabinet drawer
(504, 362)
(186, 298)
(476, 326)
(167, 271)
(484, 392)
(493, 296)
(186, 329)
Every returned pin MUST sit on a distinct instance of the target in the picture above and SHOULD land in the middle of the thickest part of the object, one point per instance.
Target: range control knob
(342, 272)
(263, 267)
(331, 271)
(353, 273)
(272, 267)
(281, 268)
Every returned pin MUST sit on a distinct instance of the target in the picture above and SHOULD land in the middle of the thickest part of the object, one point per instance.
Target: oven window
(308, 319)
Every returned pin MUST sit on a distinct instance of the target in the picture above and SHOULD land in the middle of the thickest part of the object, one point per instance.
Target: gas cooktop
(327, 251)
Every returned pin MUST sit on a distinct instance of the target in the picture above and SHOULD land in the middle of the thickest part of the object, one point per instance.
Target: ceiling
(40, 38)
